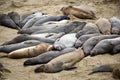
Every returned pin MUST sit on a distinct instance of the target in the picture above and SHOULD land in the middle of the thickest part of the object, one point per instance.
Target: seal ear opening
(39, 69)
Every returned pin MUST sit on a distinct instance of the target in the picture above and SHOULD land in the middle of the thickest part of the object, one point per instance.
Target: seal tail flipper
(102, 68)
(3, 56)
(6, 70)
(70, 68)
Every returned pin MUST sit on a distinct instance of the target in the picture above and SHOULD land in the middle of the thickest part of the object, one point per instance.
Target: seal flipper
(70, 68)
(103, 68)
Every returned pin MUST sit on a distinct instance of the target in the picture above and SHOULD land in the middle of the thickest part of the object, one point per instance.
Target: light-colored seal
(104, 26)
(63, 62)
(29, 51)
(79, 12)
(46, 57)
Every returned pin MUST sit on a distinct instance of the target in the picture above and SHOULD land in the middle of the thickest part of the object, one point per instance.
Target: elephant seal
(16, 18)
(65, 41)
(26, 37)
(115, 23)
(114, 68)
(24, 44)
(105, 46)
(6, 21)
(89, 28)
(50, 18)
(29, 51)
(46, 57)
(50, 25)
(73, 26)
(91, 42)
(80, 41)
(30, 16)
(62, 62)
(104, 26)
(79, 12)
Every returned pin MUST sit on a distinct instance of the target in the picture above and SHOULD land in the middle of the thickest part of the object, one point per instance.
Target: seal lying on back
(105, 46)
(46, 57)
(104, 26)
(26, 37)
(42, 27)
(62, 62)
(6, 21)
(115, 23)
(79, 12)
(29, 51)
(80, 41)
(91, 42)
(89, 28)
(66, 28)
(65, 41)
(50, 18)
(12, 47)
(114, 68)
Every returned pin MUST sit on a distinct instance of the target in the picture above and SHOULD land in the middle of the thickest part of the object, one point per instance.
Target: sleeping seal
(24, 44)
(89, 28)
(91, 42)
(62, 62)
(114, 68)
(104, 26)
(46, 57)
(29, 51)
(115, 23)
(65, 41)
(79, 12)
(105, 46)
(80, 41)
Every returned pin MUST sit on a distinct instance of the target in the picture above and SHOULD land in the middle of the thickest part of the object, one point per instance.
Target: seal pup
(80, 41)
(65, 41)
(91, 42)
(62, 62)
(89, 28)
(105, 46)
(79, 12)
(29, 51)
(24, 44)
(104, 26)
(114, 68)
(115, 23)
(73, 26)
(46, 57)
(6, 21)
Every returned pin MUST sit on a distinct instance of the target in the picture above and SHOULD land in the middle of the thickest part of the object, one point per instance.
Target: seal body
(104, 26)
(65, 41)
(12, 47)
(63, 62)
(115, 24)
(105, 46)
(79, 12)
(80, 41)
(46, 57)
(89, 28)
(114, 68)
(91, 42)
(65, 28)
(29, 51)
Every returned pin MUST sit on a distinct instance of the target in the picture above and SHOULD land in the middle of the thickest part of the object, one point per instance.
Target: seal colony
(56, 43)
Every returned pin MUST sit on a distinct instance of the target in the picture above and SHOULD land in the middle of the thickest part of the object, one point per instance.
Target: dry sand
(52, 7)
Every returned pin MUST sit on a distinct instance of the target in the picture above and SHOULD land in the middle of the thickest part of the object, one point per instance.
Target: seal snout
(39, 69)
(27, 63)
